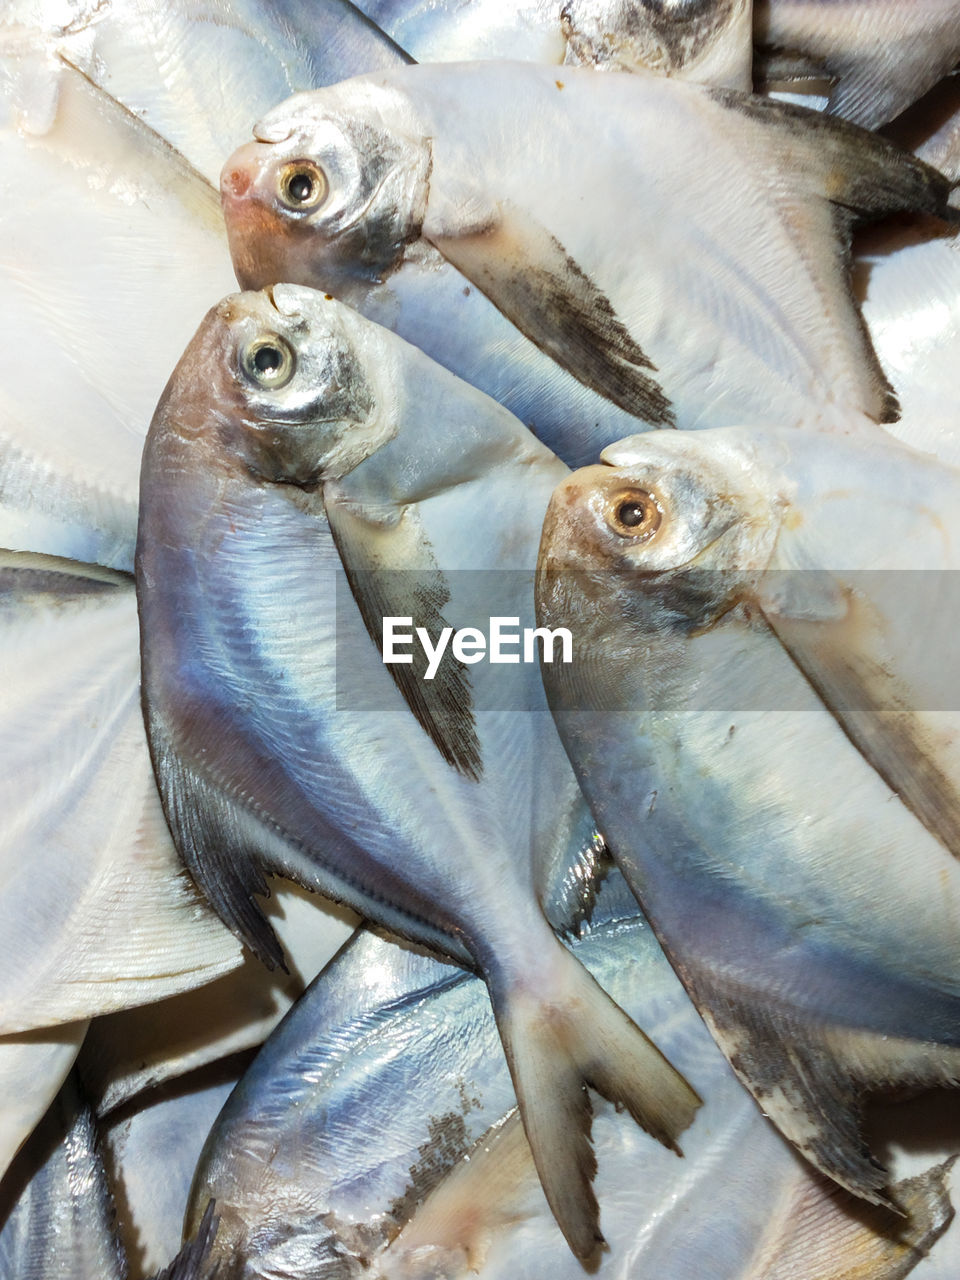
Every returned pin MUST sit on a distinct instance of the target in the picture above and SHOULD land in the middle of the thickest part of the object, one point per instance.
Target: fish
(83, 842)
(861, 541)
(877, 55)
(290, 429)
(708, 42)
(385, 168)
(79, 322)
(60, 1220)
(753, 831)
(376, 1134)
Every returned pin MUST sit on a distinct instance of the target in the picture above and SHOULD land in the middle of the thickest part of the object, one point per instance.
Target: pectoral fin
(393, 572)
(842, 658)
(526, 272)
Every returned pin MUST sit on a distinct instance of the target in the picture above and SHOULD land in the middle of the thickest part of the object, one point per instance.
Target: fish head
(330, 193)
(271, 382)
(670, 522)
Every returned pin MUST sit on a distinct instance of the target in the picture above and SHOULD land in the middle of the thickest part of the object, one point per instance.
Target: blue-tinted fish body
(251, 662)
(756, 836)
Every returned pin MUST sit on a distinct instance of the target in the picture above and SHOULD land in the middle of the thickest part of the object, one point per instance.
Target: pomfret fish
(752, 830)
(880, 54)
(709, 41)
(383, 1104)
(249, 673)
(79, 320)
(745, 205)
(859, 547)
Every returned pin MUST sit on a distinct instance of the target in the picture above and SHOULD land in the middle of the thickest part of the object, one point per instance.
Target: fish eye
(634, 513)
(268, 361)
(303, 185)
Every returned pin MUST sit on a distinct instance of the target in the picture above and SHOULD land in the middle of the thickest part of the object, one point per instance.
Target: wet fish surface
(383, 1103)
(389, 170)
(248, 673)
(740, 812)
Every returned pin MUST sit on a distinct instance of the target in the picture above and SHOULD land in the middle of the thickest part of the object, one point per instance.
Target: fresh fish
(250, 664)
(709, 41)
(879, 55)
(746, 207)
(749, 825)
(83, 844)
(383, 1105)
(92, 355)
(854, 551)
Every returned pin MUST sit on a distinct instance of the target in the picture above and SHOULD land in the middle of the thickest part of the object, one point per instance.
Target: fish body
(753, 831)
(860, 586)
(880, 56)
(250, 666)
(745, 207)
(376, 1132)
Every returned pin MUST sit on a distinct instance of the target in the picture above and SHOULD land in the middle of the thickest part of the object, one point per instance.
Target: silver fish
(247, 671)
(746, 207)
(879, 55)
(375, 1134)
(749, 825)
(855, 551)
(60, 1223)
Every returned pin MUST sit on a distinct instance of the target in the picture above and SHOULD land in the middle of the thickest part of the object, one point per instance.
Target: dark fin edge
(443, 707)
(529, 276)
(223, 862)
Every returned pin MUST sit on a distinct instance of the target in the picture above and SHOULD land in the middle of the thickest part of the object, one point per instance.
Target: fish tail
(557, 1042)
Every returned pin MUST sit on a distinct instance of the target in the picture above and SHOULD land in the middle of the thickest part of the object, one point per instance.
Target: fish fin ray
(529, 276)
(220, 856)
(556, 1046)
(821, 1226)
(412, 586)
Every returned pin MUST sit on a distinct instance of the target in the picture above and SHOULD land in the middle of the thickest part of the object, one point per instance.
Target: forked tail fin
(557, 1042)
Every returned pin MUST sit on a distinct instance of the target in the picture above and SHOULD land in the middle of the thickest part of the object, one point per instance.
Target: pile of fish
(421, 858)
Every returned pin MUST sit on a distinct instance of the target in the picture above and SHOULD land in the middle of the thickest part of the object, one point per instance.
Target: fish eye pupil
(300, 187)
(631, 513)
(267, 359)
